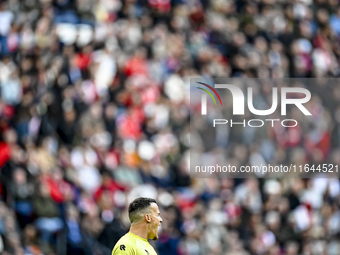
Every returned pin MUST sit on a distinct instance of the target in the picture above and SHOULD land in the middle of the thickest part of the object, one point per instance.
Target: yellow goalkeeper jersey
(131, 244)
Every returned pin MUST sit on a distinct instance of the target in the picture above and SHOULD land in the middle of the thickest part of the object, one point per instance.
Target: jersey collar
(138, 237)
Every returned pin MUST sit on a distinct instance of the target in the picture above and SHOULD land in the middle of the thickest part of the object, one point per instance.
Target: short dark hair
(137, 206)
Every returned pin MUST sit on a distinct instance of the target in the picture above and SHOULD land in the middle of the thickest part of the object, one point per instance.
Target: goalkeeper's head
(145, 216)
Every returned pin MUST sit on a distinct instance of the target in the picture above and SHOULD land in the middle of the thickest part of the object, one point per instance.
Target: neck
(139, 230)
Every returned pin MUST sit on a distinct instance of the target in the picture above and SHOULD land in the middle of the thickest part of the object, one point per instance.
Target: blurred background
(94, 112)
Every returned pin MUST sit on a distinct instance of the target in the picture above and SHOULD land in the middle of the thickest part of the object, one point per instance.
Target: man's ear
(147, 218)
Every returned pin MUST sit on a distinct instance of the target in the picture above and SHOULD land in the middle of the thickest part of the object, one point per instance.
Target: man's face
(155, 221)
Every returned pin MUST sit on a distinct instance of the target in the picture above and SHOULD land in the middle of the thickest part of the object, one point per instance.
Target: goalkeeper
(145, 219)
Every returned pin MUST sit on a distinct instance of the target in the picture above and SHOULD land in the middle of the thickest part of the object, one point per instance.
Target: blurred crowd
(94, 112)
